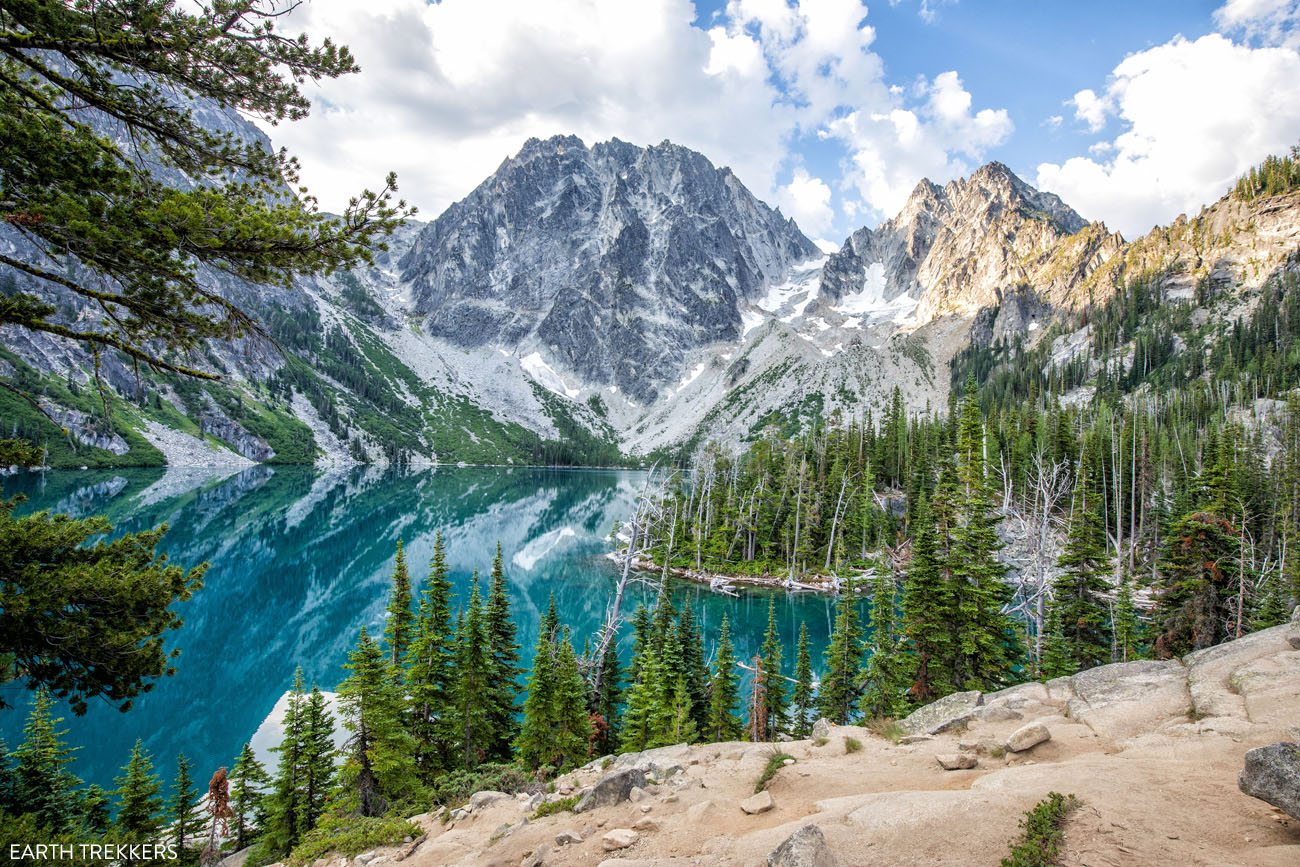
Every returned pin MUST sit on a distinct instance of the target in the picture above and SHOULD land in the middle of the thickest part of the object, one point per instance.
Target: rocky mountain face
(593, 304)
(955, 249)
(610, 261)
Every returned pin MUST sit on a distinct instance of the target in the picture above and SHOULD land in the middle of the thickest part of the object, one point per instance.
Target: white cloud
(1054, 122)
(1268, 22)
(1197, 115)
(450, 89)
(890, 151)
(808, 200)
(1091, 108)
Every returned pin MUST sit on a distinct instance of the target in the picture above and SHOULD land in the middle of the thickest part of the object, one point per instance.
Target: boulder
(997, 713)
(698, 813)
(535, 857)
(479, 800)
(956, 761)
(1027, 737)
(567, 836)
(822, 728)
(619, 838)
(645, 823)
(806, 847)
(1059, 689)
(637, 795)
(613, 788)
(1293, 635)
(759, 803)
(1272, 774)
(942, 714)
(1124, 699)
(982, 747)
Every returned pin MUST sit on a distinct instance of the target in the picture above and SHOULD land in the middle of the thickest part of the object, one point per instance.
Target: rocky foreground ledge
(1154, 750)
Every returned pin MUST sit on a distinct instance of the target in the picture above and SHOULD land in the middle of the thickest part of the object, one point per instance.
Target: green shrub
(1041, 832)
(550, 808)
(351, 835)
(852, 745)
(775, 762)
(821, 742)
(454, 789)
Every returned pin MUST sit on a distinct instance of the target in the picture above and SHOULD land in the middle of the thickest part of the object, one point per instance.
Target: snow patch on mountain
(547, 377)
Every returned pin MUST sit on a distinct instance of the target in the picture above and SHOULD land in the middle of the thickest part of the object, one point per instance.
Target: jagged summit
(607, 262)
(953, 248)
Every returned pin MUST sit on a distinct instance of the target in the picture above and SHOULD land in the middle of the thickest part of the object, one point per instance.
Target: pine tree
(801, 699)
(608, 701)
(471, 722)
(1271, 609)
(94, 810)
(694, 667)
(838, 691)
(400, 621)
(41, 782)
(556, 730)
(317, 757)
(180, 808)
(378, 768)
(1197, 576)
(927, 603)
(886, 675)
(987, 645)
(1127, 625)
(724, 691)
(138, 803)
(504, 681)
(248, 783)
(430, 676)
(1057, 660)
(533, 743)
(1079, 592)
(775, 701)
(681, 729)
(284, 805)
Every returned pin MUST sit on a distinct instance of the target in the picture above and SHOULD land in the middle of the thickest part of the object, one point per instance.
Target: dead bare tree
(649, 512)
(1033, 527)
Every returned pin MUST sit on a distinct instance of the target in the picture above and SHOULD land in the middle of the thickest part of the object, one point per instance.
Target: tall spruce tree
(430, 673)
(987, 646)
(724, 690)
(504, 683)
(284, 805)
(801, 699)
(1079, 593)
(695, 669)
(1126, 624)
(608, 701)
(248, 785)
(41, 784)
(317, 754)
(138, 802)
(838, 692)
(180, 807)
(378, 767)
(927, 606)
(400, 622)
(471, 722)
(1197, 571)
(886, 675)
(775, 694)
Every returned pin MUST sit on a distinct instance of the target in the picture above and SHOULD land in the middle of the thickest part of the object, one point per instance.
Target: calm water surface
(300, 560)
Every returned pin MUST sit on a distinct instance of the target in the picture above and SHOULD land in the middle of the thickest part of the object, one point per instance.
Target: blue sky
(830, 109)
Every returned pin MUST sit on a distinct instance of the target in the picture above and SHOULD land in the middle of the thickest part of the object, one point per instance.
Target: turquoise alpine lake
(301, 559)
